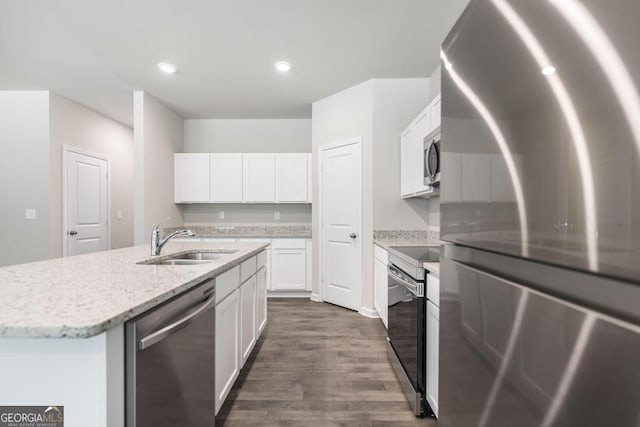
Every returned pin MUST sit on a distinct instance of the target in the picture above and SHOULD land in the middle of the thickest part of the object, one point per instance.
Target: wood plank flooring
(318, 365)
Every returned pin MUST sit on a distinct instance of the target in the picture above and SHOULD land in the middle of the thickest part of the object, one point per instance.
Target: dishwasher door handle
(160, 334)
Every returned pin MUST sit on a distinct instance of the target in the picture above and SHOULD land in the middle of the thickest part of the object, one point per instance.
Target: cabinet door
(421, 130)
(407, 164)
(433, 355)
(191, 178)
(261, 299)
(227, 346)
(288, 269)
(259, 178)
(247, 317)
(435, 113)
(380, 289)
(226, 178)
(292, 178)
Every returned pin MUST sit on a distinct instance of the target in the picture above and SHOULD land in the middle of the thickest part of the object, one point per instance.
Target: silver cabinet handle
(353, 235)
(73, 233)
(159, 335)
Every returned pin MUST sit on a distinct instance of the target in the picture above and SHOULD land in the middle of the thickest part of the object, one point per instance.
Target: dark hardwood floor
(318, 365)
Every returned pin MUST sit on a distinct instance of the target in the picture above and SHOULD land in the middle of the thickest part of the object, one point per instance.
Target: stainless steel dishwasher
(170, 363)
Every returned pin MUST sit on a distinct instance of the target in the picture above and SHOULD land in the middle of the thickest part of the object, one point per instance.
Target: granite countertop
(432, 268)
(82, 296)
(249, 231)
(386, 242)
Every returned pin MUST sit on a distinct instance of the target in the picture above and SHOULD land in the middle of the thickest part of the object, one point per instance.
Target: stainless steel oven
(407, 321)
(432, 158)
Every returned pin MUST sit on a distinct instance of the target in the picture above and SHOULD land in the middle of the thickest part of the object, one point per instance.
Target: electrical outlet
(119, 214)
(277, 215)
(221, 215)
(29, 214)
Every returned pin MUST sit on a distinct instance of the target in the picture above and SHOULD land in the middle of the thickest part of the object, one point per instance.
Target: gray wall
(247, 136)
(77, 126)
(396, 103)
(158, 134)
(24, 175)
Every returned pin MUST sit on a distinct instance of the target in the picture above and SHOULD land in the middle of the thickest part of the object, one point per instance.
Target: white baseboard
(288, 294)
(368, 312)
(315, 297)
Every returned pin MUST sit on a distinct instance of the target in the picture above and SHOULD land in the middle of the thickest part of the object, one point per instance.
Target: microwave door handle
(157, 336)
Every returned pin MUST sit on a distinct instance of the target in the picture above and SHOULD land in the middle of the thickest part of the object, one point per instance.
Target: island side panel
(86, 376)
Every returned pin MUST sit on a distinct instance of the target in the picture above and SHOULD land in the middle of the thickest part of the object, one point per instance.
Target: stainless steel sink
(194, 257)
(201, 256)
(178, 261)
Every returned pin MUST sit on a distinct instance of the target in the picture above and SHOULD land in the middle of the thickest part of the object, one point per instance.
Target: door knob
(73, 233)
(353, 235)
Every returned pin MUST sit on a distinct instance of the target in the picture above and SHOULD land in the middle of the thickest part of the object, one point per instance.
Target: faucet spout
(157, 243)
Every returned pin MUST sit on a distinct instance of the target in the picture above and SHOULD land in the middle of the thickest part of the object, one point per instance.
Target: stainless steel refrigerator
(540, 212)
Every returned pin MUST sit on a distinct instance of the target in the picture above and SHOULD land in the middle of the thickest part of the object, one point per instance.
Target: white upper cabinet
(292, 177)
(435, 113)
(259, 172)
(412, 150)
(226, 178)
(243, 178)
(191, 183)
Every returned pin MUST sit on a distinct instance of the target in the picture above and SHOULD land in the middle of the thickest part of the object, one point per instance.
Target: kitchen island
(62, 323)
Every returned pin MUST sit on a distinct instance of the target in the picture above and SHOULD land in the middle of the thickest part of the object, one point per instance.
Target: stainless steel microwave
(432, 158)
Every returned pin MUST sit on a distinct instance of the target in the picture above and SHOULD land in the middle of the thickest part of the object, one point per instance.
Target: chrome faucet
(157, 243)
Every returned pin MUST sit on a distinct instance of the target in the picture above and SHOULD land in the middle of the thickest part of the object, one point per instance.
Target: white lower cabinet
(380, 283)
(241, 315)
(288, 265)
(227, 353)
(433, 355)
(247, 317)
(261, 298)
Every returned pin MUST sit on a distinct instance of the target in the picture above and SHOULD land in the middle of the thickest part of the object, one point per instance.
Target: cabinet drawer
(247, 269)
(433, 290)
(262, 259)
(380, 254)
(288, 244)
(226, 283)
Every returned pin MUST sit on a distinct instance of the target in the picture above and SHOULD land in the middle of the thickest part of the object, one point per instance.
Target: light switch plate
(221, 215)
(277, 215)
(119, 214)
(29, 214)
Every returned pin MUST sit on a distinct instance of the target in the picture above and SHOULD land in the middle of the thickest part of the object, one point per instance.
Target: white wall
(75, 125)
(158, 134)
(396, 103)
(24, 175)
(247, 136)
(340, 116)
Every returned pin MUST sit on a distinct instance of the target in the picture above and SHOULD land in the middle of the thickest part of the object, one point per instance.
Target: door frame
(325, 147)
(66, 149)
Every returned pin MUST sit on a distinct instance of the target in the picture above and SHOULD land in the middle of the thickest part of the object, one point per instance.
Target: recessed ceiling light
(548, 70)
(167, 68)
(282, 66)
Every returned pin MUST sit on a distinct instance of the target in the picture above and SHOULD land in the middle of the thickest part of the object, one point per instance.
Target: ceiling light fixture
(282, 66)
(548, 70)
(167, 68)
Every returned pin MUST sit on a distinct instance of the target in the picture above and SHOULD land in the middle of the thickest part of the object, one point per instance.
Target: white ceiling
(97, 52)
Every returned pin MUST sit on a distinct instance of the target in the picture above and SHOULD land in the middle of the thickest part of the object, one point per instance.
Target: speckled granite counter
(257, 231)
(84, 295)
(432, 268)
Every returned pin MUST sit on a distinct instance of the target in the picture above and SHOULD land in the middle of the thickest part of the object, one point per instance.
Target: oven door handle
(416, 289)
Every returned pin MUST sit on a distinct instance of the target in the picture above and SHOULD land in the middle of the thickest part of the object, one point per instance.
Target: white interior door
(86, 195)
(341, 219)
